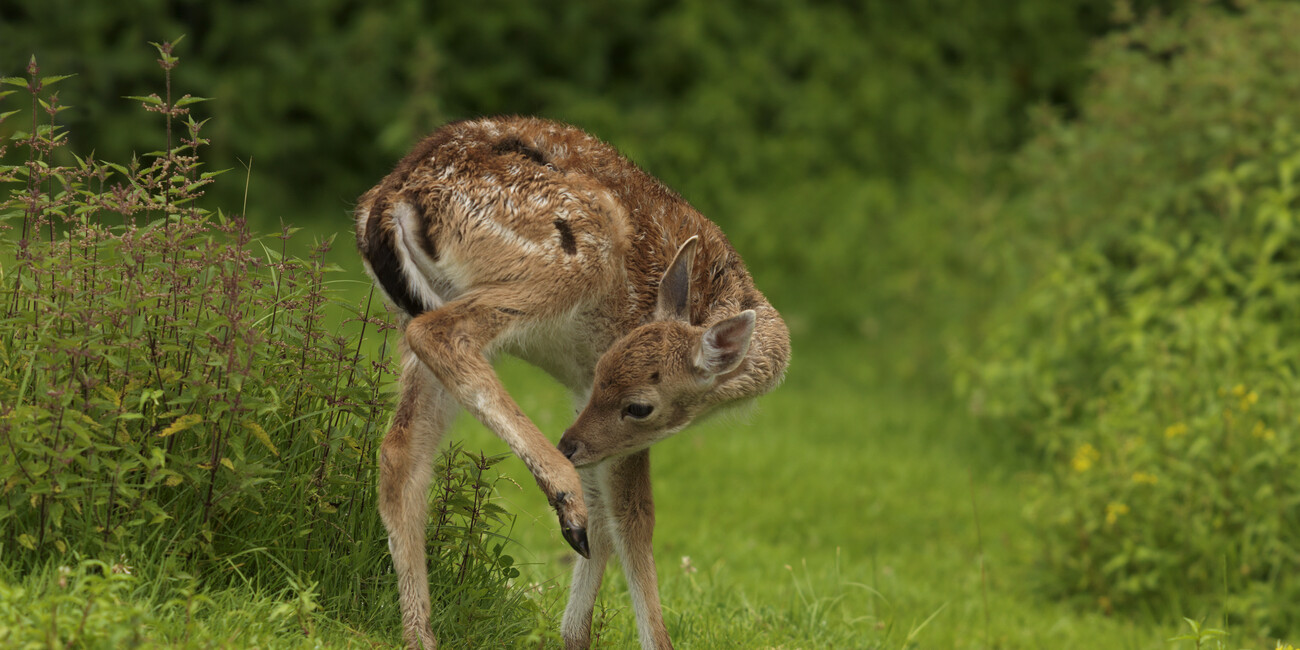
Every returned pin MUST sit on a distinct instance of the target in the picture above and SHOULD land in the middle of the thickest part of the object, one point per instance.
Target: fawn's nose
(568, 446)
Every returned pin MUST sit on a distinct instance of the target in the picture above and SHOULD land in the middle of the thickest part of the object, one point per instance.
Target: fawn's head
(660, 377)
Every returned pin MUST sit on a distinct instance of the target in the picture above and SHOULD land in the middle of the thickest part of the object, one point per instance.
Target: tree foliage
(733, 103)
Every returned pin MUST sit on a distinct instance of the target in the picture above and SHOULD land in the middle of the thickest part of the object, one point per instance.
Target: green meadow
(1039, 267)
(846, 511)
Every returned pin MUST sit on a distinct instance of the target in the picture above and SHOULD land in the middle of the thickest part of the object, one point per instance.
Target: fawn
(533, 238)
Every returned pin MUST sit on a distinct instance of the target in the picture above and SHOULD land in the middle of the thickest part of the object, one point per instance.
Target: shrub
(1154, 356)
(180, 392)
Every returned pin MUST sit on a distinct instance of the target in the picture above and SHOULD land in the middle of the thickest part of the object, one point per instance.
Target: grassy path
(840, 513)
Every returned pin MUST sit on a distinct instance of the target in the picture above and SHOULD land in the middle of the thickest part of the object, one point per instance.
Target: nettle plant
(172, 386)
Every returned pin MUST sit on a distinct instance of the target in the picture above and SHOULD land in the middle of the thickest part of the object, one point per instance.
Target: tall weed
(178, 391)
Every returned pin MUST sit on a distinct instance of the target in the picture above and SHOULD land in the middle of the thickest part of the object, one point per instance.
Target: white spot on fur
(507, 235)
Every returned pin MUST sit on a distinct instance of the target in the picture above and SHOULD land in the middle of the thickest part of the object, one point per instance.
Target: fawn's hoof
(577, 538)
(572, 525)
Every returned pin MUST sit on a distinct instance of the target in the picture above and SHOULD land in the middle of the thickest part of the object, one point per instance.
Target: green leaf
(151, 99)
(182, 423)
(187, 100)
(50, 81)
(261, 435)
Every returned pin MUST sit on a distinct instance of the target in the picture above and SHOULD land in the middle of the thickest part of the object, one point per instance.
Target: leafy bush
(1154, 358)
(179, 392)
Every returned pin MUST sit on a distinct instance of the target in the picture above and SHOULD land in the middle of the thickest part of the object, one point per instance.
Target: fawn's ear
(724, 345)
(675, 287)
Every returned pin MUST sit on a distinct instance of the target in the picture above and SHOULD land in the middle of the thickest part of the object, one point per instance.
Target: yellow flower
(1239, 390)
(1114, 511)
(1175, 430)
(1143, 477)
(1084, 457)
(1262, 432)
(1248, 400)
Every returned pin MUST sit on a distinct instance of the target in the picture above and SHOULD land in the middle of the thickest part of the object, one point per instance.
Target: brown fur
(531, 237)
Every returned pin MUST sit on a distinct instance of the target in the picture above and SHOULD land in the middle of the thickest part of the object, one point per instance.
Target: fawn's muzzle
(568, 446)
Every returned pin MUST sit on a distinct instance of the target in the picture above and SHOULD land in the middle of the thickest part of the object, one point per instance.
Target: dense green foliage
(1155, 359)
(735, 104)
(718, 90)
(173, 393)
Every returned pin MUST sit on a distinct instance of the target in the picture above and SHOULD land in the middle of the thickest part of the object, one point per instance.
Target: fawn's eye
(638, 411)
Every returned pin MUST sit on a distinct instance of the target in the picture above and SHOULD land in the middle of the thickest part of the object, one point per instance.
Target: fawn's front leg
(424, 412)
(588, 572)
(451, 341)
(628, 497)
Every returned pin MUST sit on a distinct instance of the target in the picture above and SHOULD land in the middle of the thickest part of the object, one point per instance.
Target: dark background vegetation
(800, 127)
(1073, 221)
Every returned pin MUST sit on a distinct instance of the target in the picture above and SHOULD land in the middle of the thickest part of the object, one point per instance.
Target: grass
(851, 508)
(97, 605)
(841, 513)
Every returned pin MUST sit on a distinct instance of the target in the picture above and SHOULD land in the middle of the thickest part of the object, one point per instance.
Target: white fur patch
(417, 266)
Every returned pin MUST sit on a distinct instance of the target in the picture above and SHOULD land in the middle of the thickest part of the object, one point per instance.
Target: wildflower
(1238, 390)
(1248, 400)
(1143, 477)
(1114, 511)
(1175, 430)
(1084, 457)
(1262, 432)
(687, 567)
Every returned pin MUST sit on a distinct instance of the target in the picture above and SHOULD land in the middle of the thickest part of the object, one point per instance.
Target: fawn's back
(541, 207)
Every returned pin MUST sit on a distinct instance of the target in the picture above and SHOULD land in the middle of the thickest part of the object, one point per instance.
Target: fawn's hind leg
(424, 412)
